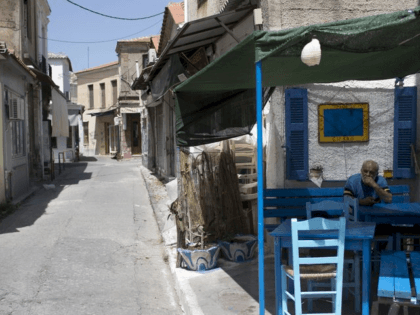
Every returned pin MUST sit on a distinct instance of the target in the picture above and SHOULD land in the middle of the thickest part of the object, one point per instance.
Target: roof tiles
(99, 67)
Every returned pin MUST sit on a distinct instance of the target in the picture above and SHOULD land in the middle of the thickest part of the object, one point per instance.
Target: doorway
(136, 138)
(106, 138)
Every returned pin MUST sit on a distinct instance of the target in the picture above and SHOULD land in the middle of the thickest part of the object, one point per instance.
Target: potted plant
(239, 248)
(200, 259)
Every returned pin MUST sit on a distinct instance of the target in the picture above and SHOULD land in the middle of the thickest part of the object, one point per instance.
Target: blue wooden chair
(315, 268)
(348, 209)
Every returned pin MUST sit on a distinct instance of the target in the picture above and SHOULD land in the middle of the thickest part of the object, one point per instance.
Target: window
(297, 134)
(103, 100)
(70, 138)
(27, 17)
(91, 104)
(200, 3)
(404, 131)
(54, 142)
(145, 59)
(114, 92)
(16, 113)
(86, 133)
(405, 113)
(73, 93)
(18, 138)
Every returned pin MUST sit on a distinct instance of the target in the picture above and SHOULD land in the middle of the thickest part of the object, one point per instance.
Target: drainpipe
(137, 69)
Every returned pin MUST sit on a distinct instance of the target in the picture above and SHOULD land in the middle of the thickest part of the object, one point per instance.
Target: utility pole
(88, 56)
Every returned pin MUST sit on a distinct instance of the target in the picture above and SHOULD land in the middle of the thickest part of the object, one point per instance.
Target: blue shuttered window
(297, 134)
(404, 131)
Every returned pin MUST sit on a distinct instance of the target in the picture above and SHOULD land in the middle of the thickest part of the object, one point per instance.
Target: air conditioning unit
(16, 109)
(3, 48)
(152, 56)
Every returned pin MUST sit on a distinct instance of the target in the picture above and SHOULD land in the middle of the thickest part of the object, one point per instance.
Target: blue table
(359, 236)
(391, 213)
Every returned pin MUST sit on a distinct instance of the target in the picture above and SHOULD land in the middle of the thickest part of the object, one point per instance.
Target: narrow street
(89, 246)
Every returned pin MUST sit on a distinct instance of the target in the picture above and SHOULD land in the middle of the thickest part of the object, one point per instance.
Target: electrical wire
(114, 17)
(102, 41)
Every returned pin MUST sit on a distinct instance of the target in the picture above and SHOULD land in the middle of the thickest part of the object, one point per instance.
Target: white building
(64, 148)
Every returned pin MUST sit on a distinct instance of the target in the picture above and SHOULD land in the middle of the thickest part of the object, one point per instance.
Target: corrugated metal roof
(198, 33)
(230, 5)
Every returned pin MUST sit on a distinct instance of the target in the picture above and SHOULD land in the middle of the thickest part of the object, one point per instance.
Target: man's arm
(382, 193)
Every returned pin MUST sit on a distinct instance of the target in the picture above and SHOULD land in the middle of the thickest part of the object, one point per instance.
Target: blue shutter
(297, 134)
(404, 131)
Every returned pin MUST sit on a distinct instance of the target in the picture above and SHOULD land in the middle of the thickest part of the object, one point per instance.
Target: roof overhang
(196, 34)
(100, 112)
(42, 77)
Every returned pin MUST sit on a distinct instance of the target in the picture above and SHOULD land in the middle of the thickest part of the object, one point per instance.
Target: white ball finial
(311, 53)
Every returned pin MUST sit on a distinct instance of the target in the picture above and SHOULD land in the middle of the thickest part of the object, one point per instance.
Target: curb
(185, 293)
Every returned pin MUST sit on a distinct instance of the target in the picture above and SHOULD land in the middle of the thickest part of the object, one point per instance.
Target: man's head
(369, 169)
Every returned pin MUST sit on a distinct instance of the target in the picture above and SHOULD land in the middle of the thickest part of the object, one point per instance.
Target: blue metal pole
(260, 171)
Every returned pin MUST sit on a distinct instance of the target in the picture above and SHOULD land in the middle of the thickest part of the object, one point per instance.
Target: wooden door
(136, 138)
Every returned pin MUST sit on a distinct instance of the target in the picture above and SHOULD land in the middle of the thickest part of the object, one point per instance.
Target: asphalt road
(89, 246)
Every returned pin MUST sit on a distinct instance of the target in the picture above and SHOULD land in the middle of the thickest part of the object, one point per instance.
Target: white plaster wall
(90, 148)
(62, 147)
(338, 160)
(57, 73)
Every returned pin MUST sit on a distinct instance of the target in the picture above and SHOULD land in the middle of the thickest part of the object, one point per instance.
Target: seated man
(368, 186)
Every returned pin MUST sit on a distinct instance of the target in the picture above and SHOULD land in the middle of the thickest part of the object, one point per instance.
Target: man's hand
(368, 201)
(369, 181)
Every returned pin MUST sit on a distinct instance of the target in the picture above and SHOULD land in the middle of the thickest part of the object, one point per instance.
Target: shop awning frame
(195, 34)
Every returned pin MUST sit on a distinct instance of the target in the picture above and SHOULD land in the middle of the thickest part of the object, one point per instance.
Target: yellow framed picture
(343, 122)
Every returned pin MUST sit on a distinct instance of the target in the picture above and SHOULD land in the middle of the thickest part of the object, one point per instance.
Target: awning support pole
(260, 171)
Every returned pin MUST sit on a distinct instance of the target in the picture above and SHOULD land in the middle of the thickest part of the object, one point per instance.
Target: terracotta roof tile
(57, 55)
(155, 41)
(144, 39)
(99, 67)
(177, 12)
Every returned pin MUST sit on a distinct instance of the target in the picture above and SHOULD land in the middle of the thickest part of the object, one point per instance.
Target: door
(106, 138)
(136, 139)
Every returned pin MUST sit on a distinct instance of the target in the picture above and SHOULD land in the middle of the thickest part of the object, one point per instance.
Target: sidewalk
(232, 288)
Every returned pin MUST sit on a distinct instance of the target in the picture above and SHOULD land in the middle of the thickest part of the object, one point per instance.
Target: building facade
(132, 58)
(158, 118)
(26, 94)
(97, 91)
(67, 148)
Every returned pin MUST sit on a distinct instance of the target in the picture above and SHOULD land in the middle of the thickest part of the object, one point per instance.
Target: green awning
(219, 101)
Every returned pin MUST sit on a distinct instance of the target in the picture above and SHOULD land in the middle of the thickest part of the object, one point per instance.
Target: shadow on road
(34, 207)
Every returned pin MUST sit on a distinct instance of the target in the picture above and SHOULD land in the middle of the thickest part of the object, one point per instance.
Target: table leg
(366, 277)
(277, 272)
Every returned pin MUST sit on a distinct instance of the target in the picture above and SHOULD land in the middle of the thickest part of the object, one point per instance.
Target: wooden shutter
(297, 134)
(404, 131)
(14, 109)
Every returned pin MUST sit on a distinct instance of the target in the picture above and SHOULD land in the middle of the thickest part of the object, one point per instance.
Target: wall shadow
(34, 207)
